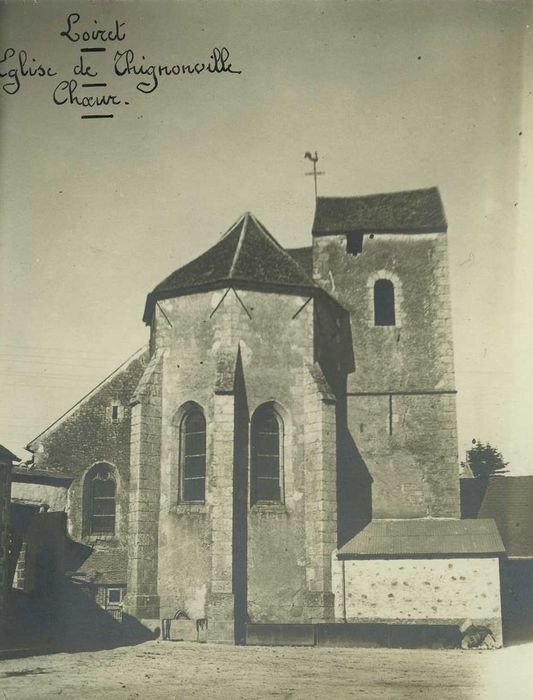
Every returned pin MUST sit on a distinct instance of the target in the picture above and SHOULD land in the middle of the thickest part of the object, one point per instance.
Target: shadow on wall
(240, 504)
(68, 620)
(517, 601)
(336, 359)
(55, 613)
(354, 483)
(472, 495)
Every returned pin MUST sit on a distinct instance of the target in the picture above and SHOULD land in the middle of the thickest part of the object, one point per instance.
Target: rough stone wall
(142, 599)
(5, 499)
(408, 446)
(400, 410)
(440, 591)
(87, 436)
(320, 450)
(206, 336)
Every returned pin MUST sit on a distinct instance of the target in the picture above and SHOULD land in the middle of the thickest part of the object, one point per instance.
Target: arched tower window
(193, 456)
(384, 312)
(266, 454)
(102, 501)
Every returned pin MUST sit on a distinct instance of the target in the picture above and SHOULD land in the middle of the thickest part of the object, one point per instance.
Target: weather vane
(315, 173)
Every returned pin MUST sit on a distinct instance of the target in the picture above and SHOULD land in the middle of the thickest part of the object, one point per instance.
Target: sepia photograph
(267, 340)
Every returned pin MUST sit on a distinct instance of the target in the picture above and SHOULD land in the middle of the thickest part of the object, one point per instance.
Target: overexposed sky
(393, 95)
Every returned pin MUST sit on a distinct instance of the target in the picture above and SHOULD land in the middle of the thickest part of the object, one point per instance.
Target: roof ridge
(231, 228)
(381, 194)
(266, 232)
(238, 247)
(136, 354)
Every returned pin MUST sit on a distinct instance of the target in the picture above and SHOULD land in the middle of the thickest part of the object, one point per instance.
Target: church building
(283, 454)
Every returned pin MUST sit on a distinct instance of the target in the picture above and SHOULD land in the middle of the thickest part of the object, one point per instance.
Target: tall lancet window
(192, 457)
(102, 503)
(266, 467)
(384, 312)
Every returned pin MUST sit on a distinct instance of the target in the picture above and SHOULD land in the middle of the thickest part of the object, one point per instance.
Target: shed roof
(246, 253)
(404, 538)
(7, 456)
(106, 566)
(51, 477)
(509, 500)
(412, 211)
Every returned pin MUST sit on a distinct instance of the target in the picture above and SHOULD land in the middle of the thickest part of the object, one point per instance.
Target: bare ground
(165, 670)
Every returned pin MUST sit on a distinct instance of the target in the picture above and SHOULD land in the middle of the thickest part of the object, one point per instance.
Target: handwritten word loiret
(115, 34)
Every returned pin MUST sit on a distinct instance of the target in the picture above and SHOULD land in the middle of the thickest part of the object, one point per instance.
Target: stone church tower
(384, 259)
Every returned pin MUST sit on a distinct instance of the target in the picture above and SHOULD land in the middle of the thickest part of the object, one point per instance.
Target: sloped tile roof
(413, 211)
(304, 258)
(26, 474)
(105, 566)
(247, 253)
(7, 456)
(33, 444)
(424, 537)
(509, 500)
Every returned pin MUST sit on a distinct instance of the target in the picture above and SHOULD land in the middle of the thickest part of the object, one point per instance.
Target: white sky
(393, 95)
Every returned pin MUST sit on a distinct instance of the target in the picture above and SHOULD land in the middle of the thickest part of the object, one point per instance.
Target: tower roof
(247, 254)
(413, 211)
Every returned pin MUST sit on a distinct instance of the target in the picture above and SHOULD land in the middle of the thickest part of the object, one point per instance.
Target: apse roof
(304, 258)
(246, 254)
(413, 211)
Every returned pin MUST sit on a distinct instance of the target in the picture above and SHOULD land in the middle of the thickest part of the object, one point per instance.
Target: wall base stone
(319, 606)
(142, 606)
(221, 618)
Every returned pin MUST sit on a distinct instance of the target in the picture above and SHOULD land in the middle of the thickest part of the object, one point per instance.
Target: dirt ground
(159, 669)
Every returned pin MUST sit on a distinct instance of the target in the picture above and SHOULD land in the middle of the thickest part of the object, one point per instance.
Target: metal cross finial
(315, 173)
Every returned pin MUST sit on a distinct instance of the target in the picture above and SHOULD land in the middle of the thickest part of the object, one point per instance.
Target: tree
(484, 461)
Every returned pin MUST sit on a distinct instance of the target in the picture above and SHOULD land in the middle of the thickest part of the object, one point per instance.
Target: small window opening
(114, 595)
(114, 413)
(384, 313)
(354, 243)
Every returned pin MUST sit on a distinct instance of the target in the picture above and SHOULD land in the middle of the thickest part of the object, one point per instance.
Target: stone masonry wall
(143, 515)
(204, 336)
(441, 591)
(320, 450)
(86, 436)
(400, 397)
(416, 354)
(408, 444)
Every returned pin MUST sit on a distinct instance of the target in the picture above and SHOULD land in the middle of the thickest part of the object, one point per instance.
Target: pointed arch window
(102, 501)
(192, 457)
(266, 456)
(384, 308)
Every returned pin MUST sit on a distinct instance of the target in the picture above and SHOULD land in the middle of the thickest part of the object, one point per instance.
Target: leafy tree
(484, 461)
